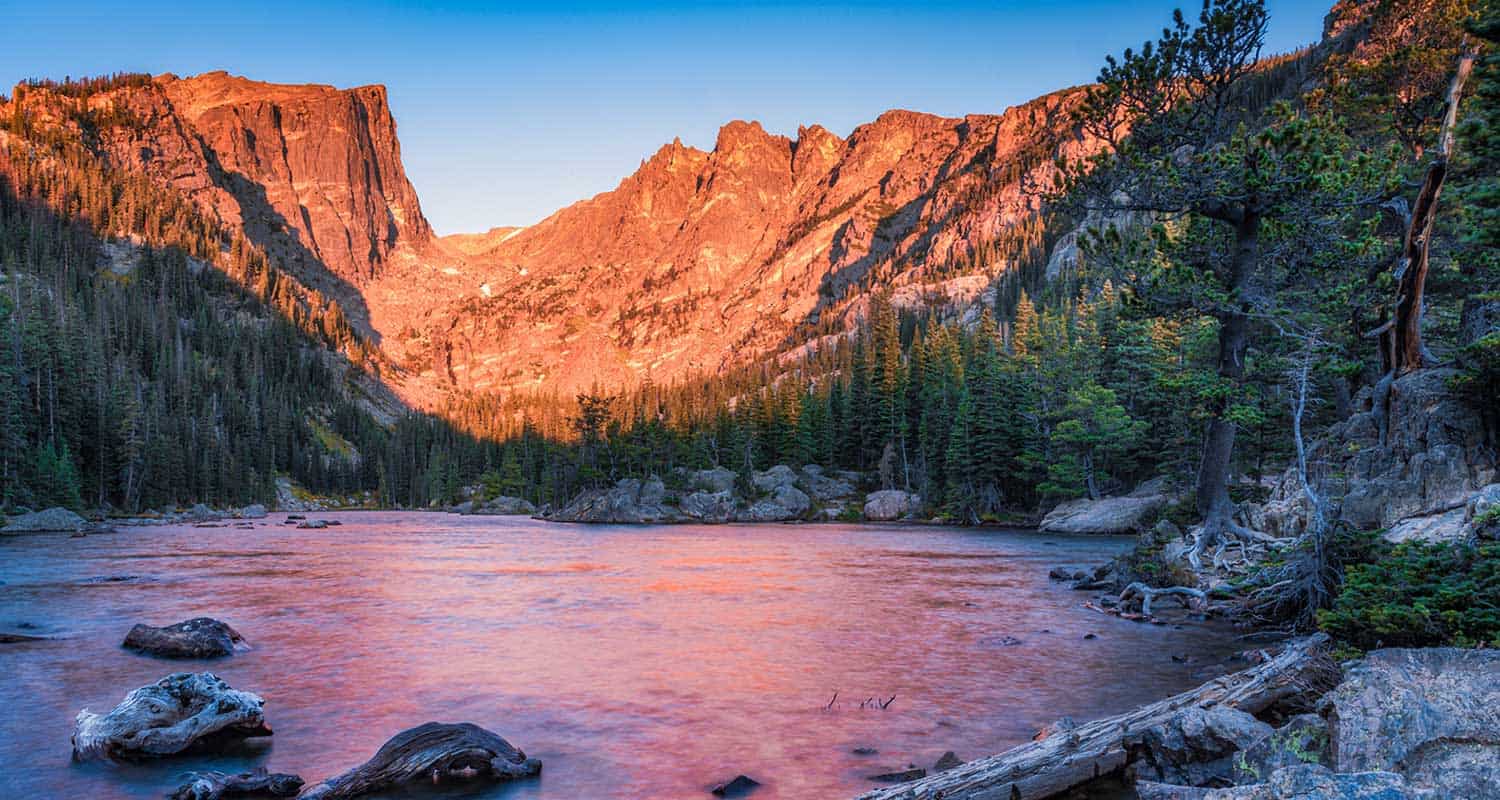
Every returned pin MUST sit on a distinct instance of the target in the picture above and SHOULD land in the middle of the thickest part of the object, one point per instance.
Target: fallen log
(1074, 756)
(430, 753)
(258, 783)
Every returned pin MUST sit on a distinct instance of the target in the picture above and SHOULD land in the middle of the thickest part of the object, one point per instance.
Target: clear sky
(508, 112)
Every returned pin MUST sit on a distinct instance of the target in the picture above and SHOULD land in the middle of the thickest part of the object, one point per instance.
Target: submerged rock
(430, 753)
(911, 773)
(739, 787)
(48, 521)
(201, 637)
(181, 712)
(947, 761)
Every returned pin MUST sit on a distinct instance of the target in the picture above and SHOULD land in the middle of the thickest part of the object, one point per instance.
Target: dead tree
(1401, 347)
(1073, 757)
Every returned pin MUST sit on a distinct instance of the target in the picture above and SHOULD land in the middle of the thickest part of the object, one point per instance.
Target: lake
(636, 662)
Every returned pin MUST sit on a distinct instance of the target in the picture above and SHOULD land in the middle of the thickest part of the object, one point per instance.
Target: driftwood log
(201, 637)
(181, 712)
(430, 753)
(1075, 756)
(259, 783)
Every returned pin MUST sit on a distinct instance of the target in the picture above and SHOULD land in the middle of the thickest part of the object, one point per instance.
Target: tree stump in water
(259, 783)
(181, 712)
(431, 753)
(201, 637)
(1075, 756)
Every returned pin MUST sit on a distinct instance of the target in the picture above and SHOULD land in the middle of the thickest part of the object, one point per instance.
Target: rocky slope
(311, 173)
(702, 260)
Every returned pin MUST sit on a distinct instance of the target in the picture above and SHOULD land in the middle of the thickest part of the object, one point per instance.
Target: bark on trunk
(1071, 758)
(1218, 443)
(1407, 352)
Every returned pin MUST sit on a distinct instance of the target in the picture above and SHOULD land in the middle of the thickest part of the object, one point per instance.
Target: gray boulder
(1304, 782)
(891, 504)
(201, 637)
(713, 480)
(629, 501)
(253, 511)
(716, 507)
(1480, 517)
(505, 505)
(774, 478)
(1447, 527)
(1108, 515)
(1196, 746)
(1303, 739)
(1432, 714)
(823, 487)
(50, 520)
(786, 502)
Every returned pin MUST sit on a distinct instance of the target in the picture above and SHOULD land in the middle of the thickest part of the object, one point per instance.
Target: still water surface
(635, 662)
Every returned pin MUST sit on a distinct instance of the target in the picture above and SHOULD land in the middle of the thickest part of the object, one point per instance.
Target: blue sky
(508, 112)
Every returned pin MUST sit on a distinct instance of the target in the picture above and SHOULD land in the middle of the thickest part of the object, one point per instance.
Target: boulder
(1443, 528)
(50, 520)
(1480, 515)
(947, 761)
(786, 502)
(823, 487)
(256, 783)
(900, 776)
(1303, 739)
(629, 501)
(253, 511)
(182, 712)
(713, 507)
(313, 524)
(506, 505)
(201, 637)
(1109, 515)
(774, 478)
(713, 480)
(202, 513)
(1194, 747)
(891, 504)
(434, 753)
(466, 507)
(739, 787)
(1432, 714)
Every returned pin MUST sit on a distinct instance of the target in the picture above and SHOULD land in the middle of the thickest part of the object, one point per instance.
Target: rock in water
(430, 753)
(253, 511)
(48, 521)
(183, 711)
(258, 783)
(948, 761)
(1431, 714)
(739, 787)
(202, 637)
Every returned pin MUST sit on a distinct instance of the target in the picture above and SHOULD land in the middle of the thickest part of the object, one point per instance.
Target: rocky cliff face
(311, 173)
(702, 260)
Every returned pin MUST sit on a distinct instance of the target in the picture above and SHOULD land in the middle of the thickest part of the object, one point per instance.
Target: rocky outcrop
(778, 494)
(503, 505)
(1302, 782)
(201, 637)
(52, 520)
(1109, 515)
(888, 505)
(1413, 454)
(1431, 714)
(181, 712)
(434, 753)
(1196, 747)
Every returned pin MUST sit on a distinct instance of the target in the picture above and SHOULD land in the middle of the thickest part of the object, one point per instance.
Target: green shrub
(1419, 595)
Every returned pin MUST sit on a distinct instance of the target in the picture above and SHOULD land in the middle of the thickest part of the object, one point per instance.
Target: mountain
(701, 261)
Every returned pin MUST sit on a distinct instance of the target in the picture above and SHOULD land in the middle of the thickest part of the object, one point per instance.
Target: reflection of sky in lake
(635, 662)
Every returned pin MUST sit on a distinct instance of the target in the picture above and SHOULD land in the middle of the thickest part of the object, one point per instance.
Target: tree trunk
(1411, 269)
(1066, 759)
(1218, 442)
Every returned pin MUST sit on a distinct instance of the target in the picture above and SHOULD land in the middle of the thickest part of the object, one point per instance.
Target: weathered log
(201, 637)
(181, 712)
(259, 783)
(1147, 594)
(1072, 757)
(434, 752)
